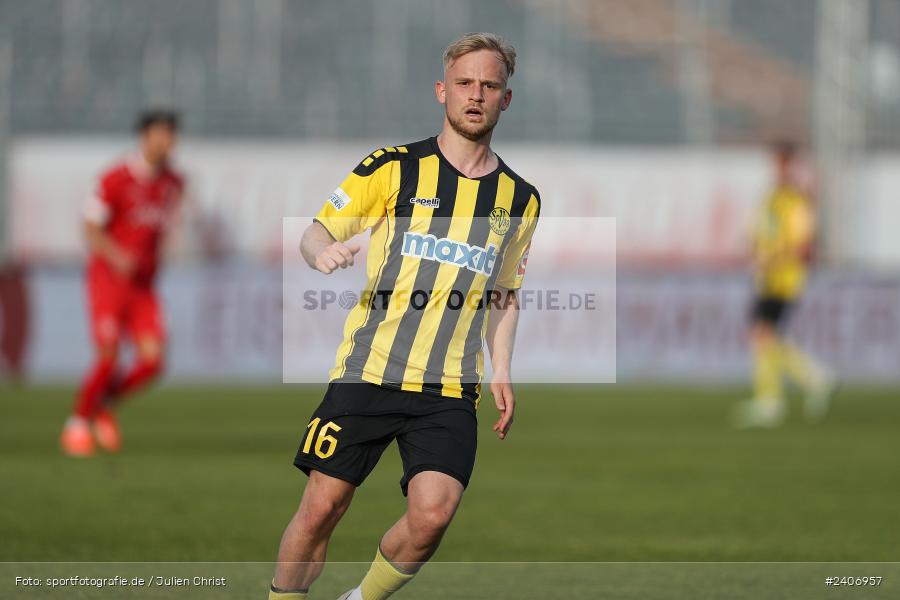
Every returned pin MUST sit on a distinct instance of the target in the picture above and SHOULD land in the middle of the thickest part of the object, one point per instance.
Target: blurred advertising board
(671, 207)
(225, 324)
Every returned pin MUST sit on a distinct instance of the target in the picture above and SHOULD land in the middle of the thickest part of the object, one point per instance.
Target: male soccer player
(784, 234)
(124, 223)
(451, 225)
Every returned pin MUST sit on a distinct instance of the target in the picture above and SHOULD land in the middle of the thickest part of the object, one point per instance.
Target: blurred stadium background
(654, 112)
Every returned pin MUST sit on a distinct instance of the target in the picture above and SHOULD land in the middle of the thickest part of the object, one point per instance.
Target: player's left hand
(502, 390)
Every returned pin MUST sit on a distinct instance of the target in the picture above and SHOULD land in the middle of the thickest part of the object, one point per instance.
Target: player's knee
(762, 334)
(108, 352)
(431, 521)
(150, 350)
(320, 513)
(151, 357)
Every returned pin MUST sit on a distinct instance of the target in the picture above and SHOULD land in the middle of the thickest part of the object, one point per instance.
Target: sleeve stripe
(373, 163)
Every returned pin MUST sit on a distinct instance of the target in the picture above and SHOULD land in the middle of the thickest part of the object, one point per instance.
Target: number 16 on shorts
(325, 443)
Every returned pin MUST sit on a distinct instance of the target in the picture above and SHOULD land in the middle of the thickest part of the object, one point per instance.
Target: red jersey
(134, 204)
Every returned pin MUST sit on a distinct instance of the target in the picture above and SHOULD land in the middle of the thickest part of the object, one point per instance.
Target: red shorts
(120, 306)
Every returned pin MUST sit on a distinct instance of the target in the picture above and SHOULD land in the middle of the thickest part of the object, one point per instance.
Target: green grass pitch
(607, 473)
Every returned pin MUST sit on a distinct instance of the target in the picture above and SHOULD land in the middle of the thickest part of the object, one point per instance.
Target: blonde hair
(472, 42)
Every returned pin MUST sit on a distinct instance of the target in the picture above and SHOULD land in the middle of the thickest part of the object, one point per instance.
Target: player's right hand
(336, 255)
(123, 263)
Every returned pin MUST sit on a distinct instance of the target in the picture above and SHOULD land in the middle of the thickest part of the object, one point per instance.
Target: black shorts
(355, 422)
(773, 311)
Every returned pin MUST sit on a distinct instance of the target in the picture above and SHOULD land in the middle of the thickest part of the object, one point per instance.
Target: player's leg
(143, 318)
(433, 498)
(813, 377)
(438, 453)
(792, 362)
(76, 439)
(766, 408)
(341, 444)
(104, 301)
(148, 365)
(301, 555)
(146, 326)
(765, 346)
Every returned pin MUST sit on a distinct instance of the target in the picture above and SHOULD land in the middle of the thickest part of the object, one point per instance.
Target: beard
(471, 131)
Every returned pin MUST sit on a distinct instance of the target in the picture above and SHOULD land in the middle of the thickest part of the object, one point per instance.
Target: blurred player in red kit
(125, 221)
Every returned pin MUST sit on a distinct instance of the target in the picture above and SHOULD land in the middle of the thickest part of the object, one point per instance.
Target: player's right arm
(98, 212)
(101, 243)
(358, 203)
(322, 252)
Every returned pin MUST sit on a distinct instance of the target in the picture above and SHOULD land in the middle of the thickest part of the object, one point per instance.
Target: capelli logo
(426, 202)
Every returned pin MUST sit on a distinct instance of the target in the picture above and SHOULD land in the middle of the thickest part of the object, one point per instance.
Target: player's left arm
(501, 337)
(504, 315)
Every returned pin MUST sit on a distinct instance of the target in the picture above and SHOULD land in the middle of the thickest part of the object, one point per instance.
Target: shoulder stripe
(371, 163)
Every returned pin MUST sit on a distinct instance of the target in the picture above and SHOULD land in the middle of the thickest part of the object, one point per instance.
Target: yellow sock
(767, 373)
(279, 594)
(798, 365)
(383, 579)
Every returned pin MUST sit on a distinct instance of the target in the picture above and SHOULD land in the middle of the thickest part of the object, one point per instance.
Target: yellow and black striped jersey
(784, 229)
(440, 243)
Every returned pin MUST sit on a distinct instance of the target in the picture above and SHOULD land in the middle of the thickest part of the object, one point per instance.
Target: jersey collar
(141, 169)
(443, 159)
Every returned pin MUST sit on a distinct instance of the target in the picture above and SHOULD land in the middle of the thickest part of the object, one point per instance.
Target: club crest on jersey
(451, 252)
(426, 202)
(499, 220)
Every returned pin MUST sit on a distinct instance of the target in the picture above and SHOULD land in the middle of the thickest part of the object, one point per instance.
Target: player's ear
(440, 91)
(507, 98)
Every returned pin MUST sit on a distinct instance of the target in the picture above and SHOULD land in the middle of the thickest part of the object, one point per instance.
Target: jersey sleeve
(362, 199)
(99, 206)
(512, 271)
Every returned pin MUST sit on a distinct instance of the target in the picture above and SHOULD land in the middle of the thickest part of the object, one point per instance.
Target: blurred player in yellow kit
(784, 233)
